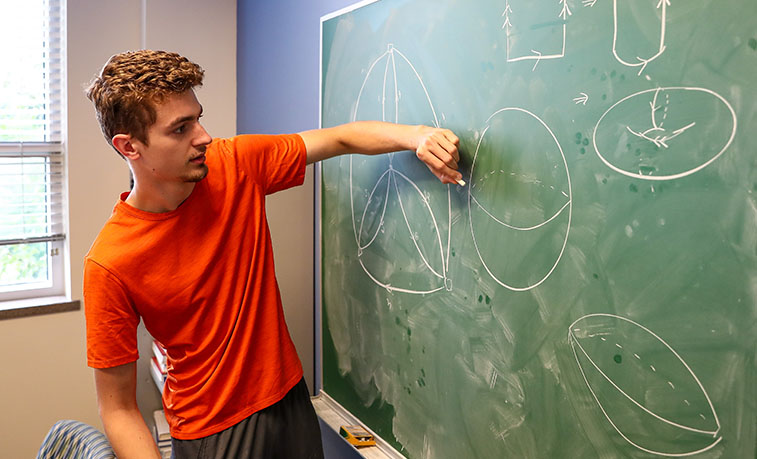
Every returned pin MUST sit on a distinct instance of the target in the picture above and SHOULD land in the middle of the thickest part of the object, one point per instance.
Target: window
(32, 151)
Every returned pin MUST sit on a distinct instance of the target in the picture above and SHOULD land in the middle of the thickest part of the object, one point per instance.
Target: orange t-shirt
(202, 279)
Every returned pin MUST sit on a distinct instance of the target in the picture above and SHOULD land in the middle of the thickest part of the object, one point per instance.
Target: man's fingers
(444, 148)
(453, 143)
(438, 149)
(441, 170)
(448, 142)
(443, 155)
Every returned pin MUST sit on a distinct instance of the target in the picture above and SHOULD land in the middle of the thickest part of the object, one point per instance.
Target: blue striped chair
(75, 440)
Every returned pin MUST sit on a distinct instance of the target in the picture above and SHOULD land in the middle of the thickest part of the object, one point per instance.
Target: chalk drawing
(637, 61)
(503, 216)
(592, 337)
(657, 134)
(675, 139)
(581, 99)
(536, 55)
(394, 186)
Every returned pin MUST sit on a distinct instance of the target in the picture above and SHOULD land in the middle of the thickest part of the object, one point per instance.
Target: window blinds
(31, 114)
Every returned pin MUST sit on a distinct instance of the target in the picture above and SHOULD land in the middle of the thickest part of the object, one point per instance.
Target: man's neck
(159, 200)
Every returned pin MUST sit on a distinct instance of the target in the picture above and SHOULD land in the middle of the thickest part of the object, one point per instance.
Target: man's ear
(125, 145)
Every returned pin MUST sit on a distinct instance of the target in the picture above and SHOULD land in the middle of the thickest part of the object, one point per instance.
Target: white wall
(44, 376)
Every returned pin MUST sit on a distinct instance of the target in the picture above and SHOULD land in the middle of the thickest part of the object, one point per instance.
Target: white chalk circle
(647, 392)
(519, 199)
(665, 133)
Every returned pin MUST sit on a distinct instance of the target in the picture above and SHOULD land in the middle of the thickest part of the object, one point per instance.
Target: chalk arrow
(538, 58)
(643, 63)
(582, 99)
(506, 14)
(565, 10)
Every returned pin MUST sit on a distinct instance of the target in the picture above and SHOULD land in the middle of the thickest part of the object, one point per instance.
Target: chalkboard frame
(318, 230)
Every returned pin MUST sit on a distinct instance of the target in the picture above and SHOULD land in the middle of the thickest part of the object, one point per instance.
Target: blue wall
(278, 49)
(277, 63)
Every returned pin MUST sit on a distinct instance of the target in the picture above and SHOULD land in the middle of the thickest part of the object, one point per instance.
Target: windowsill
(37, 307)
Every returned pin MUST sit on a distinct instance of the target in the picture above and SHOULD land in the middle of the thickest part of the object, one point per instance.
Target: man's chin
(197, 175)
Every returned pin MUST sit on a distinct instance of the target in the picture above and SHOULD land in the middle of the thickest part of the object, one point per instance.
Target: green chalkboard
(592, 291)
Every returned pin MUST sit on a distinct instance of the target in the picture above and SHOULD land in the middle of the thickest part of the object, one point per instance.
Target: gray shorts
(287, 429)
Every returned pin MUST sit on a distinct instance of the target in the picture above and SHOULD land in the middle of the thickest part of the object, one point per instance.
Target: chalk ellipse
(643, 387)
(648, 136)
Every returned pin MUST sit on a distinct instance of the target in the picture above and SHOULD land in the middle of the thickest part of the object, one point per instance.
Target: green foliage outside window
(23, 263)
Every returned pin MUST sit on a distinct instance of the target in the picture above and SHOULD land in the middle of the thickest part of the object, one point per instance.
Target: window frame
(50, 295)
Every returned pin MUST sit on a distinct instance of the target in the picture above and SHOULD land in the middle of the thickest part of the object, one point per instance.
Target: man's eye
(180, 129)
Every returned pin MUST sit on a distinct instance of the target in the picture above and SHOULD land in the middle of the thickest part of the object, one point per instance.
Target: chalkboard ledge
(335, 415)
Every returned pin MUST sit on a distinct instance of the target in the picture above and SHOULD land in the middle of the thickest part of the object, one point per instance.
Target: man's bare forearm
(436, 147)
(117, 402)
(128, 435)
(376, 137)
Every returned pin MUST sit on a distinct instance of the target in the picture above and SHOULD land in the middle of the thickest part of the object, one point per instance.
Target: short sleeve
(276, 162)
(111, 319)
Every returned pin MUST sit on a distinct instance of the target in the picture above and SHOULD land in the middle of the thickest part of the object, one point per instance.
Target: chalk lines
(691, 103)
(395, 186)
(581, 99)
(369, 205)
(513, 25)
(640, 62)
(637, 61)
(612, 328)
(657, 134)
(536, 55)
(487, 251)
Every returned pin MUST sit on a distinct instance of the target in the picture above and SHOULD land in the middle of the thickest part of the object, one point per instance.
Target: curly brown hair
(130, 85)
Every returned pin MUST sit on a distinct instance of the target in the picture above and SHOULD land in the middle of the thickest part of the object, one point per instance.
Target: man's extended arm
(434, 146)
(117, 401)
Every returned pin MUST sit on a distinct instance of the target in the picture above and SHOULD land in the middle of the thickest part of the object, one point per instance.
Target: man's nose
(203, 138)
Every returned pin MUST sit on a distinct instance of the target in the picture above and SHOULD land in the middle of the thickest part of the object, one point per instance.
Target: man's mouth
(198, 159)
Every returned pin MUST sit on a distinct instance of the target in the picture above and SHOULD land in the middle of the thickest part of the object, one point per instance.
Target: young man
(188, 251)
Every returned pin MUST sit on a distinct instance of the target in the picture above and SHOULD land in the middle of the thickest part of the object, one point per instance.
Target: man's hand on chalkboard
(437, 148)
